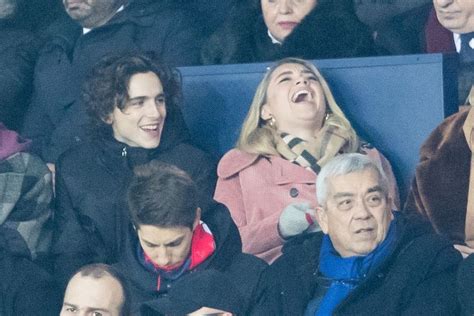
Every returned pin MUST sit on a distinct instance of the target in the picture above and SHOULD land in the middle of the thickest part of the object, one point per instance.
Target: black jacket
(56, 117)
(25, 289)
(330, 30)
(466, 285)
(18, 52)
(419, 278)
(404, 33)
(91, 181)
(242, 270)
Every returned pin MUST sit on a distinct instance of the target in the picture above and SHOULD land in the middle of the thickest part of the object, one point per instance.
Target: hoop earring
(327, 116)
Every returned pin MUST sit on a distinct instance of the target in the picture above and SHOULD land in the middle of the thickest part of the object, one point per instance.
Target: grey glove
(297, 218)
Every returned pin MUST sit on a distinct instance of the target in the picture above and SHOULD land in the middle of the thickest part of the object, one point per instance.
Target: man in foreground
(369, 261)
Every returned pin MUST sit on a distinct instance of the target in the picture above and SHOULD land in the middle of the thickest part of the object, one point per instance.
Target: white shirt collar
(457, 41)
(86, 30)
(274, 40)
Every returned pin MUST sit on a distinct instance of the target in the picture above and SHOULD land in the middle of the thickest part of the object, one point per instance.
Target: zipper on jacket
(124, 152)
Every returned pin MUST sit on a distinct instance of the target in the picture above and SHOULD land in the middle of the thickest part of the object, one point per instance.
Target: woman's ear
(265, 112)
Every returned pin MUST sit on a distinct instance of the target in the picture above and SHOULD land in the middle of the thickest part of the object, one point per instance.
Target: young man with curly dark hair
(133, 105)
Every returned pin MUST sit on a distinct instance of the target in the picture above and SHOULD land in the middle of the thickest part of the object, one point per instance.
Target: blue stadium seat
(393, 102)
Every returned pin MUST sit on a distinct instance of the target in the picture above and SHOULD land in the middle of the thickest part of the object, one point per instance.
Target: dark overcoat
(419, 278)
(330, 30)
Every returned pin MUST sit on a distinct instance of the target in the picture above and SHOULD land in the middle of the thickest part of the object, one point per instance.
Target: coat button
(294, 192)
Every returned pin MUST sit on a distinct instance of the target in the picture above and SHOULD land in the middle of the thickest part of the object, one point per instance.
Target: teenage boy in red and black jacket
(171, 241)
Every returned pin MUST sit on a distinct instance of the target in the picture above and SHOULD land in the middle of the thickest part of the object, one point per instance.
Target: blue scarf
(345, 274)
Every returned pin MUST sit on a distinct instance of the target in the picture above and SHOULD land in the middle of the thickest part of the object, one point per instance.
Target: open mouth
(150, 127)
(301, 96)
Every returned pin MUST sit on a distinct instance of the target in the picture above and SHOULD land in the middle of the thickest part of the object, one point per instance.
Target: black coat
(242, 270)
(330, 30)
(466, 285)
(404, 33)
(419, 278)
(56, 118)
(25, 289)
(91, 181)
(18, 52)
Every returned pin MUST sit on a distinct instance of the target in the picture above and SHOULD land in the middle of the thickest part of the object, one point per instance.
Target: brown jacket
(440, 187)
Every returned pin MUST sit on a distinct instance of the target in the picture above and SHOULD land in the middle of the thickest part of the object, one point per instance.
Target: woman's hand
(296, 219)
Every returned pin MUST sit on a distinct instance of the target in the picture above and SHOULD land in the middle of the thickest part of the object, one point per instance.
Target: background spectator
(263, 30)
(25, 288)
(437, 27)
(294, 126)
(440, 188)
(18, 51)
(26, 193)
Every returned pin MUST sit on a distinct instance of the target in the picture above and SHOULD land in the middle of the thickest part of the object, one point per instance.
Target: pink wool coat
(256, 189)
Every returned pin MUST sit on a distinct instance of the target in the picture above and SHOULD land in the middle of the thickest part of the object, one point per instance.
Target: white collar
(86, 30)
(457, 41)
(274, 40)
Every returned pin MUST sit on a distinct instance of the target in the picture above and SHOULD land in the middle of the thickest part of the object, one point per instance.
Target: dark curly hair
(107, 86)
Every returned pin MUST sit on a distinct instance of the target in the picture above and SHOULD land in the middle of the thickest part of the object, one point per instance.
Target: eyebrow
(69, 304)
(100, 309)
(376, 188)
(177, 240)
(290, 72)
(343, 194)
(141, 97)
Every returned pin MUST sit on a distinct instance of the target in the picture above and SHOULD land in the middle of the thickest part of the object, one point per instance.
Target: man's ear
(197, 220)
(322, 219)
(265, 112)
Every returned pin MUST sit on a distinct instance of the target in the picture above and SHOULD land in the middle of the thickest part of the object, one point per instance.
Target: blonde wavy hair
(258, 137)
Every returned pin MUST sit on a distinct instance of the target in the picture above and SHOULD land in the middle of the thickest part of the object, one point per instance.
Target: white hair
(344, 164)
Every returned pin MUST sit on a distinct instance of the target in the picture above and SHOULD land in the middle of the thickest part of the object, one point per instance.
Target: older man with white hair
(369, 260)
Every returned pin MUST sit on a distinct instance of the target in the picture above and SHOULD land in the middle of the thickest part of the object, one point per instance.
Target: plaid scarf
(314, 154)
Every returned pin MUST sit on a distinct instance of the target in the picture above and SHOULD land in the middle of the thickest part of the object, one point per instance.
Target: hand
(297, 218)
(464, 250)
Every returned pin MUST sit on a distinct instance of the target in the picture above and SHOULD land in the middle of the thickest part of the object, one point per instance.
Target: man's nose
(152, 109)
(285, 7)
(162, 257)
(362, 211)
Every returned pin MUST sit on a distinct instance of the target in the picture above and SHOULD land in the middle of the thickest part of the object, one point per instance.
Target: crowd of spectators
(107, 204)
